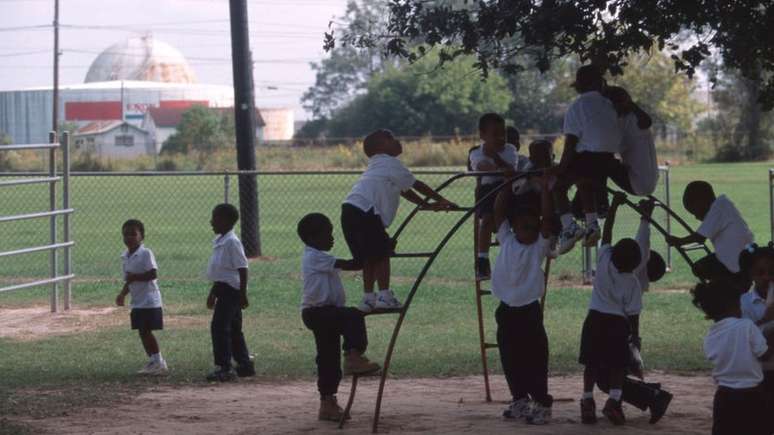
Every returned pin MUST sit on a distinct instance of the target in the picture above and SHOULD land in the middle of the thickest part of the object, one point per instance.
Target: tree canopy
(518, 35)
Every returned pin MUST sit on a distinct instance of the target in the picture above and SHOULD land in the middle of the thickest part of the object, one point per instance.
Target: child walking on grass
(227, 270)
(371, 207)
(524, 233)
(735, 347)
(140, 272)
(323, 312)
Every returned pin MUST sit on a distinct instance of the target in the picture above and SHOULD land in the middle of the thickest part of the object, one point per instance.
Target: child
(642, 395)
(724, 226)
(140, 273)
(494, 154)
(370, 208)
(323, 312)
(592, 137)
(735, 347)
(606, 330)
(518, 283)
(227, 270)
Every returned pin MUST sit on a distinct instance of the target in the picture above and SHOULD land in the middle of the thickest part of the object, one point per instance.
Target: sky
(285, 35)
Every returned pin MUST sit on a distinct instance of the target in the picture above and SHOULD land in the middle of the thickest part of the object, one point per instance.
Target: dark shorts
(605, 341)
(487, 207)
(739, 412)
(593, 166)
(365, 234)
(147, 319)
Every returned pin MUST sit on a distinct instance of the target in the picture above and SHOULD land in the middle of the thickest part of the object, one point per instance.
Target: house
(114, 140)
(162, 122)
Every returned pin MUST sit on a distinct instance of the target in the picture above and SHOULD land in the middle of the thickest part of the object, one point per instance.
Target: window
(124, 140)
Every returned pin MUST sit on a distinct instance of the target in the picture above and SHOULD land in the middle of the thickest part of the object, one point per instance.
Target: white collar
(220, 240)
(755, 297)
(126, 254)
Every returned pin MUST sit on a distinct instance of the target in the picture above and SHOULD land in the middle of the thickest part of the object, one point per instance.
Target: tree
(420, 98)
(201, 130)
(501, 34)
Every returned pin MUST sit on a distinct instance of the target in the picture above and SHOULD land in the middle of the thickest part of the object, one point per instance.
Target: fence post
(588, 268)
(53, 266)
(226, 187)
(68, 264)
(668, 194)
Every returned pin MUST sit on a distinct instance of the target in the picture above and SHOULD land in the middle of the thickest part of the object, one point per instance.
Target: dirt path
(452, 405)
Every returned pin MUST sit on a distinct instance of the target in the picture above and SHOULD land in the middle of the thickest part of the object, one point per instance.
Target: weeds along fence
(175, 208)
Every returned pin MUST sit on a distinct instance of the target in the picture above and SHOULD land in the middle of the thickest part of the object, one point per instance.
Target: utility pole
(244, 121)
(55, 113)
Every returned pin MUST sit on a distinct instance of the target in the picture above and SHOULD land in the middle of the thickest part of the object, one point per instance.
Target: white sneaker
(539, 414)
(593, 234)
(387, 301)
(158, 368)
(568, 237)
(517, 409)
(367, 304)
(145, 368)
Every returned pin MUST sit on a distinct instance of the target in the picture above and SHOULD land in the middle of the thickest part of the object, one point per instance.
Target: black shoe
(659, 406)
(222, 375)
(483, 271)
(245, 370)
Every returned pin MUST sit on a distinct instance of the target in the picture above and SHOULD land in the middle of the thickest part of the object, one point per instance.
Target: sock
(385, 291)
(591, 218)
(369, 296)
(587, 395)
(615, 394)
(156, 357)
(483, 255)
(566, 220)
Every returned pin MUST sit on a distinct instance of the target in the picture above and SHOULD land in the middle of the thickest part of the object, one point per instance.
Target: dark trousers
(523, 344)
(768, 391)
(228, 341)
(639, 394)
(329, 324)
(736, 412)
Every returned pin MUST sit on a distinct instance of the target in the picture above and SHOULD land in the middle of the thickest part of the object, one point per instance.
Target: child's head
(698, 198)
(524, 217)
(541, 154)
(512, 137)
(626, 255)
(656, 267)
(224, 217)
(620, 98)
(134, 233)
(382, 141)
(757, 263)
(588, 78)
(717, 299)
(491, 129)
(316, 230)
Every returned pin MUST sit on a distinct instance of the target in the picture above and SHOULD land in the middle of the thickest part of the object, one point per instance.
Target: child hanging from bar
(371, 207)
(722, 223)
(497, 152)
(323, 312)
(524, 233)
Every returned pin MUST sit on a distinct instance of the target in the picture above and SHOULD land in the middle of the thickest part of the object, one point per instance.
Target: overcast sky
(285, 35)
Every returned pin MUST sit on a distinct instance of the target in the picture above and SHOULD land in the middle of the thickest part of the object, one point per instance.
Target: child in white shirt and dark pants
(735, 346)
(518, 282)
(323, 312)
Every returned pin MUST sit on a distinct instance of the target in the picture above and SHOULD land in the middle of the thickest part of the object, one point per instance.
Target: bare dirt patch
(453, 405)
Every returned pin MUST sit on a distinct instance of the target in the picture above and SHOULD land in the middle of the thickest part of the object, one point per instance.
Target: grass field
(439, 337)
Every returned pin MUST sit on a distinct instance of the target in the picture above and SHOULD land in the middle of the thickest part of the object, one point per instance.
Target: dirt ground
(451, 405)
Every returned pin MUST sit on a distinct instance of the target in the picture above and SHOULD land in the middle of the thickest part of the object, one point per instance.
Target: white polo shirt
(638, 153)
(322, 284)
(380, 187)
(727, 230)
(733, 346)
(145, 294)
(594, 121)
(614, 292)
(641, 272)
(228, 256)
(509, 154)
(517, 278)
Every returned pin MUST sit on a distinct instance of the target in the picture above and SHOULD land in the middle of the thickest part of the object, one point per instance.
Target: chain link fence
(175, 208)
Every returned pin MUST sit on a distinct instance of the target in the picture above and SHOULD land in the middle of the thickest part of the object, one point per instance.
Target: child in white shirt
(722, 223)
(140, 273)
(735, 347)
(227, 270)
(323, 312)
(518, 282)
(371, 207)
(606, 330)
(494, 154)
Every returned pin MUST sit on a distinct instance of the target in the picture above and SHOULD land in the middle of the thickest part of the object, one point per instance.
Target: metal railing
(54, 245)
